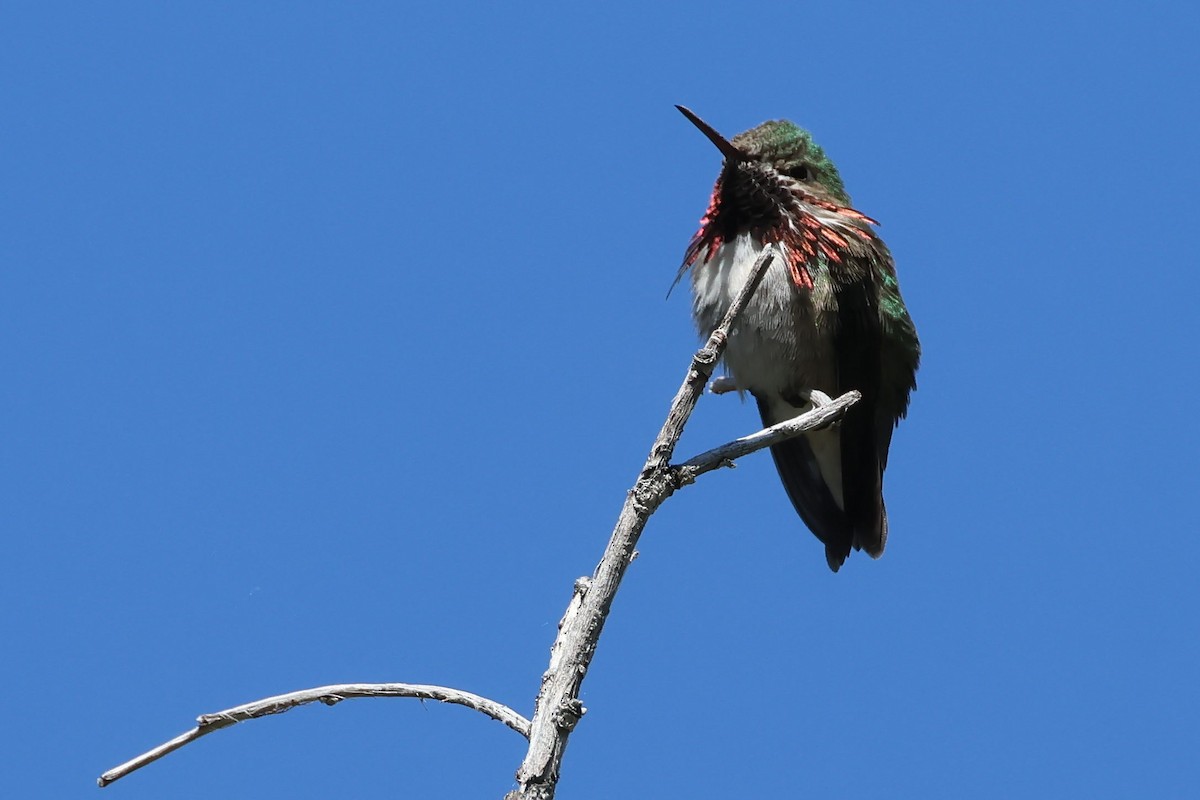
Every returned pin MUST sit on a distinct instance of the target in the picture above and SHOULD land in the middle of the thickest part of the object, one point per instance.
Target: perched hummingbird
(827, 316)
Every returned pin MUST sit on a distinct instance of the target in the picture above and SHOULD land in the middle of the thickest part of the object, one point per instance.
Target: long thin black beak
(727, 150)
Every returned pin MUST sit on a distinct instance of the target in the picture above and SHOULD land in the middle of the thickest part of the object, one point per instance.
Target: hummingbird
(827, 316)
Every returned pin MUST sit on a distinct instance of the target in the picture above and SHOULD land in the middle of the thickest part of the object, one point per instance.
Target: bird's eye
(799, 172)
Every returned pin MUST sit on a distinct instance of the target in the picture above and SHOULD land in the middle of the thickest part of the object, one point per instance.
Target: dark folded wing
(801, 474)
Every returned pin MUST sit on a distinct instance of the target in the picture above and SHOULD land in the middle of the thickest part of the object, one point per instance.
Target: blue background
(332, 336)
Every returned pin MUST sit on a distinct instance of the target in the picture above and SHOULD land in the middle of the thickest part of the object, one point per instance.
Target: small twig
(557, 708)
(824, 413)
(329, 695)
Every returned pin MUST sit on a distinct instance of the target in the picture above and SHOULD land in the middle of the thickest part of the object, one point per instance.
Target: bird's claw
(818, 398)
(723, 384)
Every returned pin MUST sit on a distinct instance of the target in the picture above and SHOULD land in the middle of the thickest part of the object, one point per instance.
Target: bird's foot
(813, 398)
(810, 400)
(818, 398)
(723, 384)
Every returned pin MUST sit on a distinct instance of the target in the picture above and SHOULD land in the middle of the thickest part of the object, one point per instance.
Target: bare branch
(823, 414)
(329, 695)
(558, 709)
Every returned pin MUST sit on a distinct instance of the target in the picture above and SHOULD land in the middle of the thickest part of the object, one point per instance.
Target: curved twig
(329, 695)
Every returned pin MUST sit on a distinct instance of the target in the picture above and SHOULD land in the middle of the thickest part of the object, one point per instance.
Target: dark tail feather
(801, 475)
(862, 481)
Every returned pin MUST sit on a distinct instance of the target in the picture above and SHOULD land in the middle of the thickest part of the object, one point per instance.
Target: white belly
(782, 344)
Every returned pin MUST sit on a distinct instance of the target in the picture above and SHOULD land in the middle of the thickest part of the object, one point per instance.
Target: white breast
(780, 345)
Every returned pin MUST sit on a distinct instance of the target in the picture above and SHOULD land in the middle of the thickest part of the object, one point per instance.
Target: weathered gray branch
(329, 695)
(557, 708)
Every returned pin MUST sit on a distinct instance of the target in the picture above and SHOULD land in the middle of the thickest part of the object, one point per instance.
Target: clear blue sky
(333, 334)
